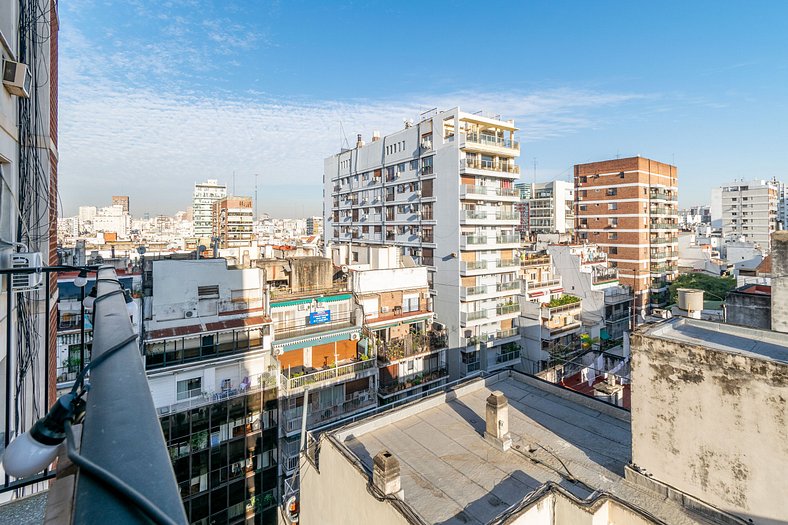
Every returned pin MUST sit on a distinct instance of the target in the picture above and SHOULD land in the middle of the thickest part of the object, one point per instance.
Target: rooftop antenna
(344, 143)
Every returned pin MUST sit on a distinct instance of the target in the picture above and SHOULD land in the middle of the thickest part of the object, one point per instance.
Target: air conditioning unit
(16, 78)
(438, 326)
(354, 337)
(277, 351)
(25, 282)
(190, 313)
(384, 309)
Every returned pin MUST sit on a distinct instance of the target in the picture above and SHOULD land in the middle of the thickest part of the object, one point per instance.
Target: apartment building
(607, 305)
(203, 197)
(398, 319)
(232, 222)
(522, 208)
(314, 226)
(550, 207)
(749, 211)
(208, 356)
(628, 207)
(122, 201)
(442, 191)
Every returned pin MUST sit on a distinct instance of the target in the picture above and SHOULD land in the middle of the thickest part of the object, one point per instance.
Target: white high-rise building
(749, 211)
(205, 194)
(442, 190)
(550, 207)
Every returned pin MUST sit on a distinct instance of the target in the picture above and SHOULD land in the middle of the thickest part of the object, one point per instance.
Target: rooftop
(751, 342)
(451, 474)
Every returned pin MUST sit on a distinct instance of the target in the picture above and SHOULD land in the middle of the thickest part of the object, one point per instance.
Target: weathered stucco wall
(338, 494)
(712, 424)
(746, 309)
(779, 281)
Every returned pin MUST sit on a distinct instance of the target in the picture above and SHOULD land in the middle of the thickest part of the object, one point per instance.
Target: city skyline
(182, 92)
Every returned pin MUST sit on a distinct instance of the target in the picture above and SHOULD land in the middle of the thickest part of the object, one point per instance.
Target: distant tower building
(548, 206)
(749, 211)
(233, 219)
(314, 226)
(121, 200)
(522, 207)
(205, 194)
(629, 207)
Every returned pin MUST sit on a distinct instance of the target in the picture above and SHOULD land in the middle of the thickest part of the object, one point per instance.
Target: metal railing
(335, 372)
(121, 430)
(509, 332)
(254, 383)
(535, 261)
(535, 285)
(506, 287)
(410, 345)
(290, 329)
(506, 309)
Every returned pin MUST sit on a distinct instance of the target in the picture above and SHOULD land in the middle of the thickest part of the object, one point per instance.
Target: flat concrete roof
(451, 475)
(752, 342)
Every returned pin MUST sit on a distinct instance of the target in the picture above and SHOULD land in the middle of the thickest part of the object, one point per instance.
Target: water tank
(690, 300)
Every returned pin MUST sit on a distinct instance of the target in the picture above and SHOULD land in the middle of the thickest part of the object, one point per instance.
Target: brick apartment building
(629, 207)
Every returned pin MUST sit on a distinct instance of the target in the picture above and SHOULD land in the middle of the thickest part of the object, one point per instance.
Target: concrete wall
(712, 424)
(338, 493)
(779, 281)
(747, 309)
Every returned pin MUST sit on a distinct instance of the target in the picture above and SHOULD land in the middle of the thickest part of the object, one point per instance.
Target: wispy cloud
(128, 125)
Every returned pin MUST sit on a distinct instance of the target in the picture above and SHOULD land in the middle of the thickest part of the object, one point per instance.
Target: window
(426, 166)
(189, 388)
(583, 207)
(611, 191)
(583, 179)
(612, 206)
(613, 250)
(410, 302)
(612, 236)
(414, 165)
(621, 175)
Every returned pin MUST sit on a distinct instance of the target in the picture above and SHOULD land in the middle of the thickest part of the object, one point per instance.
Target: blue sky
(156, 95)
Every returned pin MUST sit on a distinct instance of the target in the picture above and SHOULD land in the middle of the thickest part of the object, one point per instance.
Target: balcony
(565, 303)
(294, 380)
(469, 191)
(507, 309)
(616, 298)
(491, 141)
(410, 382)
(410, 345)
(472, 266)
(663, 226)
(661, 210)
(473, 240)
(663, 196)
(662, 268)
(300, 328)
(657, 285)
(489, 165)
(355, 402)
(198, 398)
(507, 216)
(553, 331)
(469, 317)
(508, 353)
(605, 275)
(537, 285)
(468, 292)
(508, 239)
(539, 260)
(507, 333)
(663, 240)
(511, 286)
(508, 263)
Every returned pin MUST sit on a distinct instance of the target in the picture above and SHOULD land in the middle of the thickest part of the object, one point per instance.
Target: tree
(717, 287)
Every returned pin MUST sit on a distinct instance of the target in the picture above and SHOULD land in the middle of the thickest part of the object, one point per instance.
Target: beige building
(232, 221)
(121, 200)
(629, 207)
(709, 417)
(505, 449)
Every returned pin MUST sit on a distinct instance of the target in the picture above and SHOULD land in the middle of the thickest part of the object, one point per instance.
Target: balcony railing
(291, 329)
(662, 195)
(491, 140)
(467, 266)
(413, 381)
(119, 412)
(507, 216)
(352, 403)
(205, 345)
(507, 287)
(469, 189)
(664, 226)
(490, 165)
(506, 309)
(663, 240)
(474, 239)
(470, 291)
(535, 261)
(468, 317)
(508, 263)
(505, 334)
(507, 239)
(300, 380)
(615, 298)
(251, 384)
(509, 355)
(535, 285)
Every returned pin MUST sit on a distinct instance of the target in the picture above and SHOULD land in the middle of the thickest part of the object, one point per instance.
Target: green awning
(308, 300)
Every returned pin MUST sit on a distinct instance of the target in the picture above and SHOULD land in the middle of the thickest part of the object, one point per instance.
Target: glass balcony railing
(507, 239)
(327, 375)
(509, 332)
(506, 309)
(491, 140)
(506, 287)
(470, 291)
(473, 265)
(490, 165)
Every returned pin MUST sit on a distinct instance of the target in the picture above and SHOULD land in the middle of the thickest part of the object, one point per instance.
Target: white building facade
(441, 190)
(749, 211)
(205, 194)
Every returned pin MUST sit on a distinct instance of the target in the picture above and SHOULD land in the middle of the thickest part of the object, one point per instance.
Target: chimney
(779, 281)
(375, 136)
(497, 419)
(359, 142)
(385, 474)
